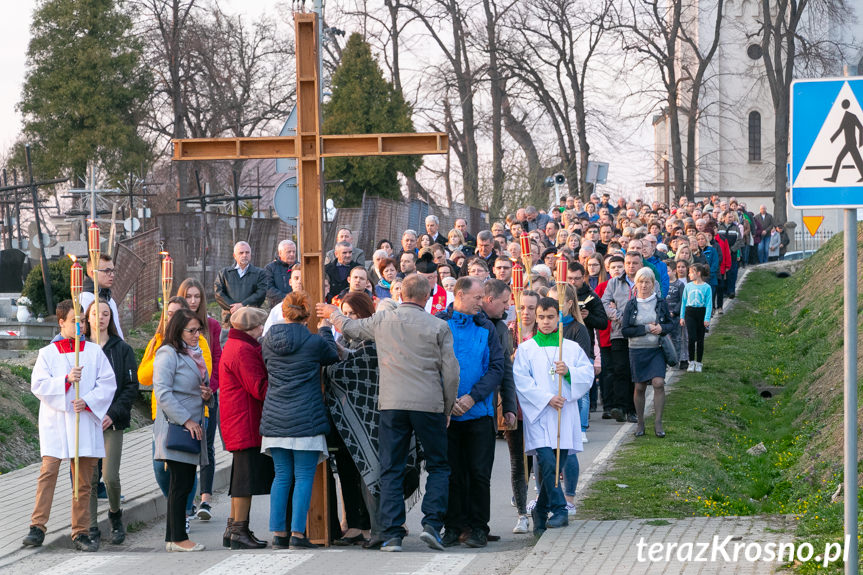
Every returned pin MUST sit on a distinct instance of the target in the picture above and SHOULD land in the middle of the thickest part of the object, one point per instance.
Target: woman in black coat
(645, 321)
(294, 420)
(122, 359)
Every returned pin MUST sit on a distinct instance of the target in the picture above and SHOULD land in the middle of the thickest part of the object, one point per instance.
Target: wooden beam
(330, 145)
(235, 148)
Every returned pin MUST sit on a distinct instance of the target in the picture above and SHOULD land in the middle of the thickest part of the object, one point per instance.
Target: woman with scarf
(645, 321)
(181, 385)
(387, 270)
(351, 386)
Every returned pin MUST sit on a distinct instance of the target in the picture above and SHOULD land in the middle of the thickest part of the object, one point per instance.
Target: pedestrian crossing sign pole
(826, 140)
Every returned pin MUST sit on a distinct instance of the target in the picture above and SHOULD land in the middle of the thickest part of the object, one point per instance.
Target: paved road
(144, 549)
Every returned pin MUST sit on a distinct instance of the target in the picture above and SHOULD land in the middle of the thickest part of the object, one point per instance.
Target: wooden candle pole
(517, 290)
(561, 300)
(94, 239)
(167, 284)
(76, 287)
(524, 241)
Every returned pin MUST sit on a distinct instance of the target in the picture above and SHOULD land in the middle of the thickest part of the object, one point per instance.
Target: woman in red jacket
(243, 384)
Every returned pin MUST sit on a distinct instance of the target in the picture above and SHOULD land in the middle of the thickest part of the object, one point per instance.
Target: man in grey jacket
(418, 385)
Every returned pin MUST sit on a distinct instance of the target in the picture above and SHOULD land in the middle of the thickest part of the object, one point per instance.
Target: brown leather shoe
(226, 536)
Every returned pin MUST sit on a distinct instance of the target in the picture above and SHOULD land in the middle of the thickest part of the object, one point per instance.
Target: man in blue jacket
(471, 430)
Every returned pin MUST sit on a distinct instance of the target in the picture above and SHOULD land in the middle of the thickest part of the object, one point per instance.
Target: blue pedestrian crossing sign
(827, 143)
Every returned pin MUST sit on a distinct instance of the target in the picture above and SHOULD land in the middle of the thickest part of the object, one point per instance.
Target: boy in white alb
(536, 371)
(53, 379)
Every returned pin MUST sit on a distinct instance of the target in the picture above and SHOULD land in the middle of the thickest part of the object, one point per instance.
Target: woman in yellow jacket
(145, 377)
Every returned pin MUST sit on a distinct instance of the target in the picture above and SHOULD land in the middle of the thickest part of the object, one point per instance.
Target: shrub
(59, 272)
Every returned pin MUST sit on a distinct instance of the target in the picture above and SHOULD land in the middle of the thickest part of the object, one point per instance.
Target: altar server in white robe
(53, 379)
(536, 371)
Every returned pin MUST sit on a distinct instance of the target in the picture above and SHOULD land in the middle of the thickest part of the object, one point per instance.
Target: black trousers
(515, 442)
(181, 483)
(470, 447)
(356, 512)
(695, 330)
(606, 387)
(622, 386)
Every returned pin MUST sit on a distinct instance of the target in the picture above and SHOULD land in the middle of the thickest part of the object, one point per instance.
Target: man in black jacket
(279, 273)
(339, 269)
(240, 285)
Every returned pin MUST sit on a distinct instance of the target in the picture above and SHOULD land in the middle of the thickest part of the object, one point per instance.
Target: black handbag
(669, 351)
(180, 439)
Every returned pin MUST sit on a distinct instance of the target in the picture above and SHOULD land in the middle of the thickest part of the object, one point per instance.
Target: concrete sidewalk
(143, 499)
(613, 546)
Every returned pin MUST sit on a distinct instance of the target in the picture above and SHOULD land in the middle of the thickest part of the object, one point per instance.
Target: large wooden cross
(309, 146)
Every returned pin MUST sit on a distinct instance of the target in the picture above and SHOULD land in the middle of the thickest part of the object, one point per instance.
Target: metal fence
(136, 286)
(202, 244)
(802, 240)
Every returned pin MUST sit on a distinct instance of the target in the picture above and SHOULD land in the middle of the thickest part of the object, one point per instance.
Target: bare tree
(164, 24)
(447, 23)
(785, 38)
(549, 50)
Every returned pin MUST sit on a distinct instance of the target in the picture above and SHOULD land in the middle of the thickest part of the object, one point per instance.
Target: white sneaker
(522, 525)
(698, 366)
(530, 505)
(570, 510)
(584, 437)
(692, 365)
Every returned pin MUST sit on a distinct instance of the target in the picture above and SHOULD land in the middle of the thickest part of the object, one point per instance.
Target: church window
(754, 136)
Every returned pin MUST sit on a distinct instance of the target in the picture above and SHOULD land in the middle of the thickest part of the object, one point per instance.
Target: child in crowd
(536, 372)
(695, 308)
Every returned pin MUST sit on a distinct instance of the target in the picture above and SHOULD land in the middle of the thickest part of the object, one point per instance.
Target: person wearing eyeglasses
(181, 385)
(107, 272)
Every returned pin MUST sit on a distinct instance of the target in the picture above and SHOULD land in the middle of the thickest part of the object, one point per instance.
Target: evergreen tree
(363, 102)
(85, 89)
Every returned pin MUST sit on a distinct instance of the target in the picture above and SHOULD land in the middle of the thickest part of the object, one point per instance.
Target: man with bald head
(241, 284)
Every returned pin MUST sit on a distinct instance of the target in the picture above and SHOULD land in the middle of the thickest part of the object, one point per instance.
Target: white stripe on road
(81, 564)
(270, 564)
(445, 565)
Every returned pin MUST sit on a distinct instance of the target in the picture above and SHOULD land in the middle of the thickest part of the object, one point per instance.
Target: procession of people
(419, 359)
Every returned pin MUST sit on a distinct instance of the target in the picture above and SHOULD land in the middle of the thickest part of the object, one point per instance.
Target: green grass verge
(712, 418)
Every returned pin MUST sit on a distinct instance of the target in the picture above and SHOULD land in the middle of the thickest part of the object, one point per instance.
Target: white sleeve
(100, 397)
(48, 386)
(580, 370)
(533, 398)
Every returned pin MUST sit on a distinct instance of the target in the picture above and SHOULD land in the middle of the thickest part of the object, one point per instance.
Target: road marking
(445, 565)
(92, 565)
(270, 564)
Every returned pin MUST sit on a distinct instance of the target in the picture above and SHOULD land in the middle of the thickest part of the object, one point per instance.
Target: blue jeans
(550, 497)
(584, 410)
(292, 464)
(163, 479)
(211, 423)
(396, 427)
(763, 248)
(731, 276)
(570, 474)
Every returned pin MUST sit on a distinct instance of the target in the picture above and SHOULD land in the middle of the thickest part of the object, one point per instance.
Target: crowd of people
(420, 359)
